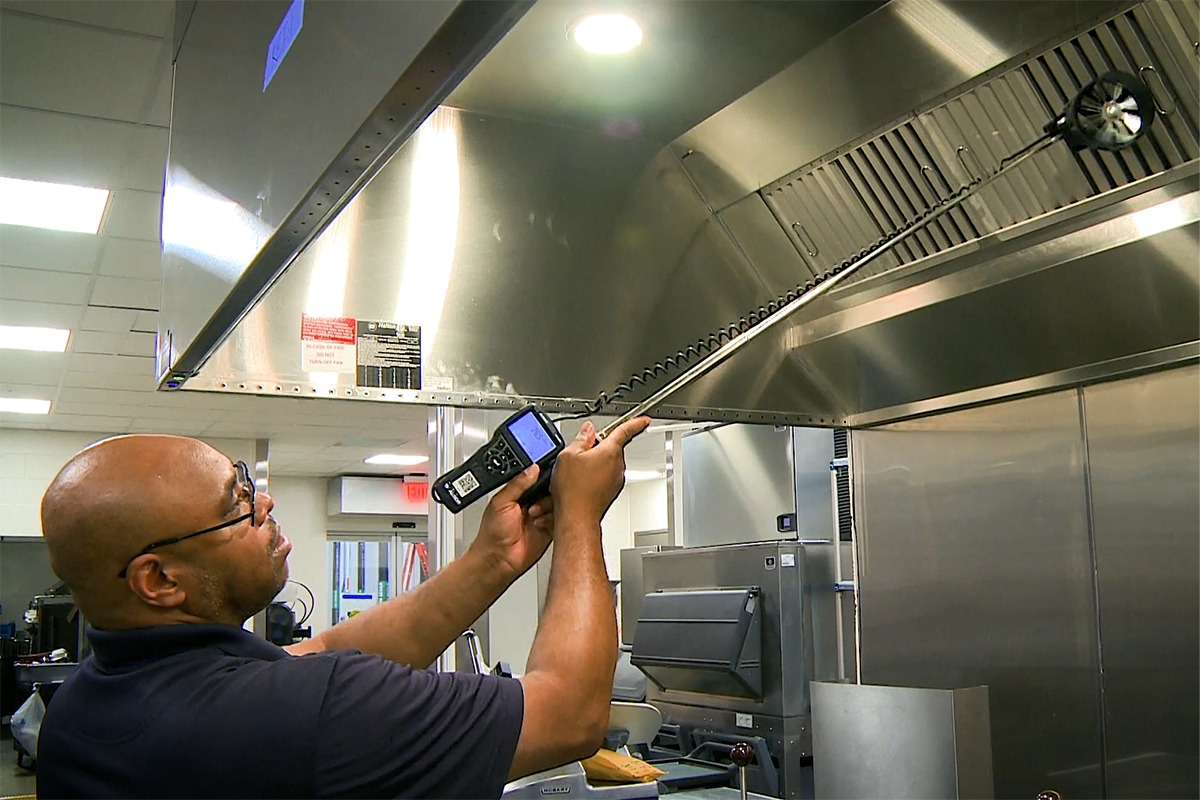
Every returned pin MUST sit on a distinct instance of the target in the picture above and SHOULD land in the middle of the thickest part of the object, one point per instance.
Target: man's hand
(589, 476)
(512, 538)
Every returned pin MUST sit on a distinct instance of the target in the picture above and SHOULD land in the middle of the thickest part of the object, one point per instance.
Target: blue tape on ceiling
(281, 42)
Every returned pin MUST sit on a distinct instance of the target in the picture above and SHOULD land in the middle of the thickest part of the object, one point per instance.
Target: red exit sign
(415, 492)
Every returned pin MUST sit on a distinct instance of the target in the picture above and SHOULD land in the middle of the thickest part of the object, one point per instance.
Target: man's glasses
(244, 484)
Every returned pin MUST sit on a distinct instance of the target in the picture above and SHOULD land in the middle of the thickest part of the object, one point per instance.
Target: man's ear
(155, 582)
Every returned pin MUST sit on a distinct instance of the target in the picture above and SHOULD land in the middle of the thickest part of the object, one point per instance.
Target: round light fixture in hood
(607, 34)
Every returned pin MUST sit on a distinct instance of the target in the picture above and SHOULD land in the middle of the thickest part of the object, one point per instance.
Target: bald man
(168, 550)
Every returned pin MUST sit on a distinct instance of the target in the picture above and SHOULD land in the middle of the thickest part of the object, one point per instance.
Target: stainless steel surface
(722, 793)
(812, 450)
(478, 209)
(570, 780)
(736, 480)
(632, 590)
(826, 284)
(901, 742)
(974, 569)
(905, 55)
(840, 203)
(695, 58)
(1143, 440)
(454, 434)
(254, 171)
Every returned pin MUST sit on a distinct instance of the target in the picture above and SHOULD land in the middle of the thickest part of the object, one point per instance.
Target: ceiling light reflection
(950, 35)
(432, 227)
(608, 34)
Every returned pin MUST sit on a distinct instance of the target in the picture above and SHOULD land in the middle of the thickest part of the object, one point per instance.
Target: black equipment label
(389, 355)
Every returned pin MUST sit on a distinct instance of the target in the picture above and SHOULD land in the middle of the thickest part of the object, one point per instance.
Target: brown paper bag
(613, 767)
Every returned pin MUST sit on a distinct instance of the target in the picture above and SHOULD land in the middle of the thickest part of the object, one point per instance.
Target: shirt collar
(119, 648)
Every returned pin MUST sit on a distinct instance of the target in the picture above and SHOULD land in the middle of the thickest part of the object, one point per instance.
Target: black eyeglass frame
(243, 479)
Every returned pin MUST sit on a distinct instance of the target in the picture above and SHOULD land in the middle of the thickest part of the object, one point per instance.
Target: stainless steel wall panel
(1143, 438)
(812, 450)
(766, 245)
(900, 742)
(736, 480)
(975, 569)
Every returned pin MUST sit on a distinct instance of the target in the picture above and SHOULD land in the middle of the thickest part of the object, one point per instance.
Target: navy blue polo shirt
(215, 711)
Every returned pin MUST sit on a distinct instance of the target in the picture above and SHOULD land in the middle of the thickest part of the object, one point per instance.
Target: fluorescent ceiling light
(396, 460)
(643, 475)
(18, 405)
(57, 206)
(20, 337)
(608, 33)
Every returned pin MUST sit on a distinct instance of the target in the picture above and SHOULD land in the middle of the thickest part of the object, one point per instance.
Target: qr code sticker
(466, 484)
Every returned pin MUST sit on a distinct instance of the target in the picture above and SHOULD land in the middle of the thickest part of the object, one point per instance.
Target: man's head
(108, 515)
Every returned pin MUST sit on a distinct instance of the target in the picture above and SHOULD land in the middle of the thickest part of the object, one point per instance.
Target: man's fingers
(624, 434)
(513, 490)
(586, 438)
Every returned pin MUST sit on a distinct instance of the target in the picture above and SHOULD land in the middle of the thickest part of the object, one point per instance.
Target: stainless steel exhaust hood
(564, 225)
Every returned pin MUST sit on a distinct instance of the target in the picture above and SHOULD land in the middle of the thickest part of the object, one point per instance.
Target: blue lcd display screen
(531, 436)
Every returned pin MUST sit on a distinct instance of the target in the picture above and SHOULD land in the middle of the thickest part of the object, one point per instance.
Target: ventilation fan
(1110, 113)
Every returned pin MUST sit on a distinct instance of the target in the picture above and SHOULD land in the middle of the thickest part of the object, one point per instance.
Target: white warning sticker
(744, 720)
(327, 344)
(466, 484)
(787, 560)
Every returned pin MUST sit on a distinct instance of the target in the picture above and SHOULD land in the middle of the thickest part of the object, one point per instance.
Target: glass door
(368, 569)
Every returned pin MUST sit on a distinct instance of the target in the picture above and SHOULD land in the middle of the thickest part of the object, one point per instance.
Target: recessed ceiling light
(607, 34)
(20, 337)
(643, 475)
(57, 206)
(396, 460)
(16, 405)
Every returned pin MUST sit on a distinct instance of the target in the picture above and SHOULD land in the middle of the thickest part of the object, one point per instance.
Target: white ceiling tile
(209, 415)
(33, 423)
(46, 315)
(43, 286)
(102, 380)
(146, 172)
(98, 342)
(13, 389)
(176, 427)
(71, 394)
(112, 365)
(42, 145)
(88, 422)
(235, 429)
(96, 409)
(131, 258)
(146, 322)
(138, 344)
(134, 214)
(147, 17)
(46, 64)
(113, 320)
(37, 248)
(24, 366)
(125, 292)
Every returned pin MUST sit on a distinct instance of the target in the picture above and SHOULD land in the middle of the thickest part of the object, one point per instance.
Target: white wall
(647, 506)
(300, 510)
(29, 460)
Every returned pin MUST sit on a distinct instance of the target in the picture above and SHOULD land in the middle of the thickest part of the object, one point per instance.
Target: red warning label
(328, 329)
(327, 344)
